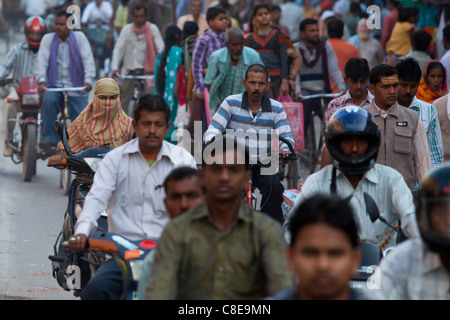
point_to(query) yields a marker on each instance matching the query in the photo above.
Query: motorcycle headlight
(93, 163)
(30, 99)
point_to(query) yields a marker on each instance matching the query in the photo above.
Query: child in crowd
(270, 42)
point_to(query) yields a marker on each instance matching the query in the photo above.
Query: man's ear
(244, 83)
(372, 88)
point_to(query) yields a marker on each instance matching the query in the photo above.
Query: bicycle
(310, 157)
(65, 178)
(136, 93)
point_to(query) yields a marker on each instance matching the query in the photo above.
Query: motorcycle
(25, 142)
(63, 259)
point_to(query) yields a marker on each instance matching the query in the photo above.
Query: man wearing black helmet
(353, 139)
(419, 269)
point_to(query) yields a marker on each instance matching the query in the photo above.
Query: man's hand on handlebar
(41, 88)
(77, 242)
(88, 86)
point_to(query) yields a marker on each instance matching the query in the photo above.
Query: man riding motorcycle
(352, 140)
(20, 60)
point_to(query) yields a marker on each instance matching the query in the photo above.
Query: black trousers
(107, 283)
(271, 191)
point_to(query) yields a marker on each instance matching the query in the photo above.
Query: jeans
(106, 284)
(51, 106)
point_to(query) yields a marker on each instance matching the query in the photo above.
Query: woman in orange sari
(434, 82)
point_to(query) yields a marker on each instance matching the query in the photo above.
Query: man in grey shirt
(64, 59)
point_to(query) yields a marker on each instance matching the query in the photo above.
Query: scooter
(63, 259)
(25, 142)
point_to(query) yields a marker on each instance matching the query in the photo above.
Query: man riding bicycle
(254, 114)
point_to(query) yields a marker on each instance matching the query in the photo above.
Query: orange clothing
(344, 51)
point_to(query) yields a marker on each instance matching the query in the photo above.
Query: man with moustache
(409, 75)
(254, 115)
(404, 144)
(129, 184)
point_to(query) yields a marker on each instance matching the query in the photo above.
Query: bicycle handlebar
(71, 89)
(134, 76)
(321, 95)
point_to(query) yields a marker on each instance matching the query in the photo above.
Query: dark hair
(213, 12)
(172, 37)
(189, 28)
(395, 3)
(409, 70)
(333, 211)
(63, 13)
(139, 7)
(258, 68)
(151, 103)
(306, 22)
(381, 70)
(180, 173)
(223, 142)
(357, 68)
(261, 6)
(446, 32)
(355, 7)
(421, 40)
(275, 7)
(404, 13)
(335, 28)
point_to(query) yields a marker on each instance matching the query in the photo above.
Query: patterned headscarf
(103, 123)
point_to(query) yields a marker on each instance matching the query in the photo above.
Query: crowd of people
(220, 69)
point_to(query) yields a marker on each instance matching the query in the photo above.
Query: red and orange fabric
(103, 123)
(425, 93)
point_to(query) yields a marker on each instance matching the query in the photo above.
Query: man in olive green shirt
(222, 249)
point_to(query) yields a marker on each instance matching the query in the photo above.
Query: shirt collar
(215, 35)
(265, 107)
(376, 111)
(370, 175)
(133, 147)
(348, 97)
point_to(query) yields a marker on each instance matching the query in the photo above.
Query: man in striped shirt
(254, 115)
(409, 79)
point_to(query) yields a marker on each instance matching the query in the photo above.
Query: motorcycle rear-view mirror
(371, 207)
(63, 136)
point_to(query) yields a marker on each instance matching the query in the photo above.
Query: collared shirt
(132, 191)
(203, 47)
(412, 272)
(63, 78)
(20, 60)
(385, 185)
(130, 48)
(345, 100)
(234, 113)
(196, 260)
(429, 116)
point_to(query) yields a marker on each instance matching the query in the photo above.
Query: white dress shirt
(412, 272)
(93, 13)
(131, 47)
(132, 191)
(387, 188)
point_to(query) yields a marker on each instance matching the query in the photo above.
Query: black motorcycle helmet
(433, 209)
(352, 121)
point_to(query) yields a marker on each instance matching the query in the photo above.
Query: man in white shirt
(353, 140)
(129, 184)
(419, 269)
(136, 47)
(291, 16)
(195, 14)
(97, 10)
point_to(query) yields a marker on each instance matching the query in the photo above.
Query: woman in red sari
(434, 82)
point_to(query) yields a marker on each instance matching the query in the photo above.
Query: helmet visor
(35, 36)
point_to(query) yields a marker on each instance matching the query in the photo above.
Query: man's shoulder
(386, 172)
(178, 155)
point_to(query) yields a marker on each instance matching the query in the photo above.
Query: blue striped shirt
(234, 114)
(20, 61)
(429, 117)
